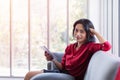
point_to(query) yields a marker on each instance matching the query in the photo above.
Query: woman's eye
(81, 31)
(76, 30)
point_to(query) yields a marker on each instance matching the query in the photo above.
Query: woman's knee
(31, 74)
(28, 76)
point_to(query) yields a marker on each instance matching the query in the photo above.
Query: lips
(78, 37)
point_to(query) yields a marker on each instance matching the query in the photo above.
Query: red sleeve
(63, 62)
(106, 46)
(98, 46)
(67, 50)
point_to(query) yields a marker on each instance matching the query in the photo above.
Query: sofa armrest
(102, 66)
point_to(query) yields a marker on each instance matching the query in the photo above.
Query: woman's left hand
(92, 31)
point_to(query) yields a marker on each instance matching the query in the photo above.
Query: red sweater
(76, 61)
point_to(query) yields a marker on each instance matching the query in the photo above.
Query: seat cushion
(52, 76)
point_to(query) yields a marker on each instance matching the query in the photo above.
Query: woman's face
(80, 34)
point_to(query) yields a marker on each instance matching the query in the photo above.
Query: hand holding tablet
(48, 51)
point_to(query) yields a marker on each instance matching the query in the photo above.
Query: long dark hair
(86, 24)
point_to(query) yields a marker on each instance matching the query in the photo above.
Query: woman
(77, 55)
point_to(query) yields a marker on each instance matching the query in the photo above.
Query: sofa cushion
(52, 76)
(102, 66)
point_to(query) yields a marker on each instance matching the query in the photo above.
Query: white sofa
(102, 66)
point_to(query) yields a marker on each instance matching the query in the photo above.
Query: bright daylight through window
(25, 25)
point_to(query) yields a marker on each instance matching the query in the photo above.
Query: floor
(11, 79)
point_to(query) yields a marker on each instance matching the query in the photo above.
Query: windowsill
(11, 78)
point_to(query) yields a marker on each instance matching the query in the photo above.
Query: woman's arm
(50, 58)
(105, 44)
(58, 64)
(99, 37)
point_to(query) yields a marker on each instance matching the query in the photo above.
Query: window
(28, 24)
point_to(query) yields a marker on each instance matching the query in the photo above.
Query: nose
(78, 33)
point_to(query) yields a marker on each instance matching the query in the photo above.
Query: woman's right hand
(48, 56)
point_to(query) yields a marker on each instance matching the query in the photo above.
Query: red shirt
(76, 61)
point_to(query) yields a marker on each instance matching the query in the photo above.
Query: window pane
(58, 26)
(77, 10)
(45, 24)
(38, 33)
(4, 38)
(19, 37)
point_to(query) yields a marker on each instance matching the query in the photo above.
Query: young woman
(77, 55)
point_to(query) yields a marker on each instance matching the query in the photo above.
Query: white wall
(94, 12)
(105, 17)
